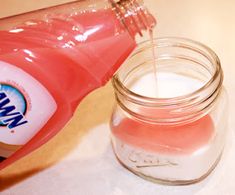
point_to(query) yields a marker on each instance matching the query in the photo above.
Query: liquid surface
(169, 85)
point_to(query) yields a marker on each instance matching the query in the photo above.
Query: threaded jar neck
(181, 56)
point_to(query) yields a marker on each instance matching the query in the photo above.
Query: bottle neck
(134, 16)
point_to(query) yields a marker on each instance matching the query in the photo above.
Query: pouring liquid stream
(154, 56)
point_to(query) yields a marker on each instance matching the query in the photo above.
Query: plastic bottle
(50, 59)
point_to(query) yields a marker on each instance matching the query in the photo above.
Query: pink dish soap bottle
(50, 59)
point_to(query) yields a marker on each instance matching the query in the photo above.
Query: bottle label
(25, 105)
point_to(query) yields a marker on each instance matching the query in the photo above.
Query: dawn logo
(13, 107)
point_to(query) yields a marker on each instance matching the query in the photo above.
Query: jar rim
(117, 83)
(180, 109)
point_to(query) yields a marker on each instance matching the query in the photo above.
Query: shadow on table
(12, 179)
(95, 109)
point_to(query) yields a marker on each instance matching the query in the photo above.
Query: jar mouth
(213, 57)
(194, 103)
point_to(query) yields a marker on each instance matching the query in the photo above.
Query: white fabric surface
(92, 169)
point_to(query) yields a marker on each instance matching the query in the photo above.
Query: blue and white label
(25, 105)
(13, 107)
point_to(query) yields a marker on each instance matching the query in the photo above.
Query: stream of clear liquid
(154, 56)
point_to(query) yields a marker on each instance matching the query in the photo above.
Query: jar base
(171, 182)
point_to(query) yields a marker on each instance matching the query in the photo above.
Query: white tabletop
(80, 161)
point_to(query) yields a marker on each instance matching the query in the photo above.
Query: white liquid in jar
(169, 85)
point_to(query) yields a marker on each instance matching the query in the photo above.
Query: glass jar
(169, 123)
